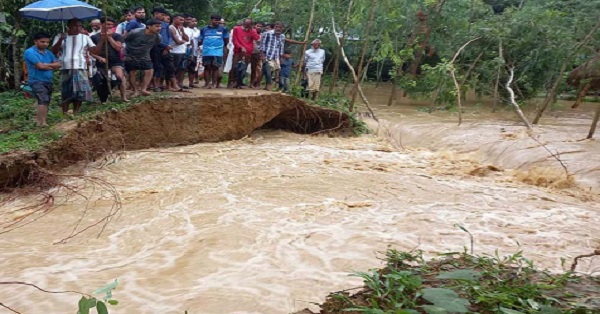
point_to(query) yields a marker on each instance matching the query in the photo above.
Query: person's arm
(295, 42)
(38, 64)
(58, 44)
(93, 48)
(117, 44)
(201, 38)
(173, 31)
(184, 35)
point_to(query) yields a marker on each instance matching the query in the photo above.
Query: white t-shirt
(74, 51)
(314, 60)
(178, 49)
(193, 35)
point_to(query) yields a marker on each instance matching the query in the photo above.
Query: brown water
(273, 222)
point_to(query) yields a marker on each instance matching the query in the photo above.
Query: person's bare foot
(145, 93)
(135, 94)
(124, 100)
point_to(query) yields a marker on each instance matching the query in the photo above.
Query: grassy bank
(465, 283)
(18, 130)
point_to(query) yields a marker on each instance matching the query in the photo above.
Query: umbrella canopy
(60, 10)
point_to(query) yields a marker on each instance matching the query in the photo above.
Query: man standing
(271, 48)
(137, 54)
(193, 33)
(179, 40)
(139, 14)
(161, 58)
(313, 59)
(115, 64)
(256, 60)
(214, 39)
(73, 46)
(243, 44)
(40, 63)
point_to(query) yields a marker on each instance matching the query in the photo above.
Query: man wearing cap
(313, 60)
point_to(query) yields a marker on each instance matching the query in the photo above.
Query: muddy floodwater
(273, 222)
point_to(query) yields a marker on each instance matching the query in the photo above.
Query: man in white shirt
(313, 62)
(192, 32)
(72, 48)
(123, 25)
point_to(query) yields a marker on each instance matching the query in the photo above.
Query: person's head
(95, 25)
(41, 40)
(287, 54)
(159, 13)
(259, 26)
(139, 13)
(187, 18)
(316, 44)
(127, 15)
(215, 20)
(193, 22)
(223, 23)
(167, 19)
(74, 26)
(178, 19)
(107, 23)
(247, 23)
(153, 26)
(268, 26)
(278, 27)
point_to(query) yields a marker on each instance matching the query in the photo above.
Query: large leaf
(446, 299)
(460, 274)
(83, 306)
(101, 308)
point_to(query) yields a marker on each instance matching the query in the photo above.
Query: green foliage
(480, 284)
(86, 304)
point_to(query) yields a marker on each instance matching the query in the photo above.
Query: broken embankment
(170, 122)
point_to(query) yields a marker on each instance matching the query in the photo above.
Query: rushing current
(274, 222)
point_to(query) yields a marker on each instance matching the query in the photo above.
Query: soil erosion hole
(170, 122)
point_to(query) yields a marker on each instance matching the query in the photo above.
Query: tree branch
(453, 74)
(352, 71)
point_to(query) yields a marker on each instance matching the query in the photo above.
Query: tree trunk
(336, 69)
(362, 56)
(306, 37)
(594, 122)
(353, 72)
(511, 70)
(582, 91)
(14, 42)
(453, 75)
(500, 53)
(393, 93)
(552, 93)
(379, 71)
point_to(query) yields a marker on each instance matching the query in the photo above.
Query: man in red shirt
(243, 44)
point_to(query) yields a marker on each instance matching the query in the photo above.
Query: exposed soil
(169, 122)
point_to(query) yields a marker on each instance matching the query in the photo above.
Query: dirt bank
(168, 122)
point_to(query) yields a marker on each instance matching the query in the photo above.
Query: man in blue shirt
(40, 64)
(161, 58)
(213, 38)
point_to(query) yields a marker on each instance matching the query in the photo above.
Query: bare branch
(574, 265)
(511, 76)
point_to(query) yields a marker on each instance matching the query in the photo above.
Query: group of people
(144, 55)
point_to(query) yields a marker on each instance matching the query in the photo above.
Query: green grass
(465, 283)
(18, 130)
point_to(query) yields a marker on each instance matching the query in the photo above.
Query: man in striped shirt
(271, 47)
